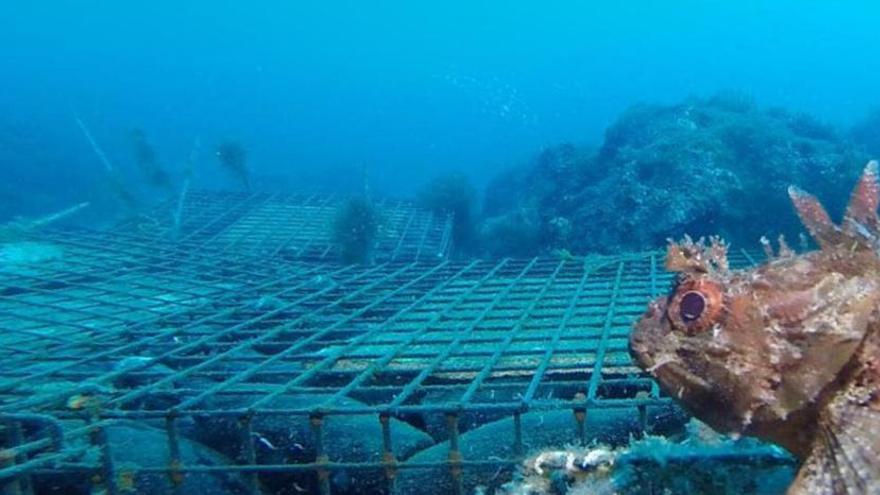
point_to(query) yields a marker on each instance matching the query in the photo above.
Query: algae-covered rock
(435, 421)
(355, 228)
(866, 133)
(454, 195)
(289, 439)
(704, 166)
(494, 440)
(697, 463)
(134, 446)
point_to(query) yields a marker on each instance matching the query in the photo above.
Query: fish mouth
(671, 372)
(645, 337)
(638, 351)
(661, 363)
(649, 353)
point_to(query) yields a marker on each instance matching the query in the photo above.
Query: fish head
(746, 351)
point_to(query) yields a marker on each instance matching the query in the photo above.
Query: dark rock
(289, 439)
(435, 422)
(135, 446)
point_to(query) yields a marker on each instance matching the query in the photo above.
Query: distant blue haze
(318, 90)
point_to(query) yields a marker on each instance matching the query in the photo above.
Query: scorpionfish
(788, 351)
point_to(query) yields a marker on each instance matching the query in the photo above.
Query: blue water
(319, 90)
(534, 107)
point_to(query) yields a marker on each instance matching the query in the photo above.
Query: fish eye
(696, 305)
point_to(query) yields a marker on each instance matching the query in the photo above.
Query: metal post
(580, 416)
(7, 459)
(250, 453)
(643, 420)
(321, 458)
(388, 458)
(455, 458)
(107, 478)
(175, 476)
(517, 435)
(16, 436)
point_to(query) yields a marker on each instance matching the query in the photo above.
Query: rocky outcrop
(706, 166)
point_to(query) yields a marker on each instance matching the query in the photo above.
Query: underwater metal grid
(205, 336)
(289, 226)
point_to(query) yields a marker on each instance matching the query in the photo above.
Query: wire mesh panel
(290, 227)
(288, 378)
(85, 285)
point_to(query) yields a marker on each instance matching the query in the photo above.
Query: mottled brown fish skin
(789, 351)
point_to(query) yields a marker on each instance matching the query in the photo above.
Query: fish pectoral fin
(860, 220)
(861, 225)
(844, 459)
(815, 218)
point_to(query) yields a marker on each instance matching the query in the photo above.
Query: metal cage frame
(292, 227)
(546, 334)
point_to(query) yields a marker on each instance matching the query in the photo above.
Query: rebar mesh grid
(92, 284)
(112, 329)
(290, 227)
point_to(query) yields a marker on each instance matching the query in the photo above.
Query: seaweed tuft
(232, 156)
(146, 160)
(454, 195)
(355, 229)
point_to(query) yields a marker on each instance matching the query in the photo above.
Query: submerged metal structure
(242, 323)
(293, 227)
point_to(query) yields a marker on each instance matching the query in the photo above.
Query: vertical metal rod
(108, 468)
(517, 435)
(580, 417)
(643, 420)
(10, 486)
(21, 483)
(250, 453)
(317, 422)
(13, 485)
(388, 458)
(175, 476)
(16, 436)
(455, 457)
(421, 246)
(446, 246)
